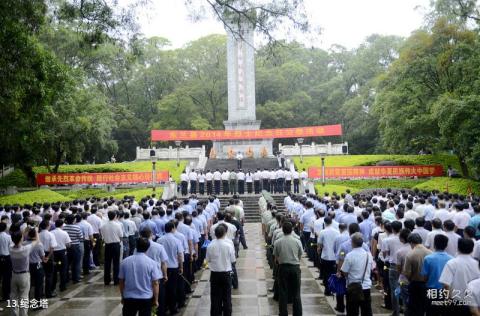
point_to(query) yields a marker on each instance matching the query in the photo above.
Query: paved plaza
(91, 297)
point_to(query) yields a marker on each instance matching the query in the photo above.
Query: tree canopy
(79, 83)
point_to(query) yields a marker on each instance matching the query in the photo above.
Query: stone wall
(313, 149)
(170, 153)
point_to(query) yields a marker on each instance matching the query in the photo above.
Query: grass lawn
(17, 177)
(42, 195)
(460, 186)
(46, 195)
(370, 160)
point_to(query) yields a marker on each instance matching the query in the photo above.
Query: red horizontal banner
(307, 131)
(376, 172)
(92, 178)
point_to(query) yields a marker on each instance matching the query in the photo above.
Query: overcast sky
(344, 22)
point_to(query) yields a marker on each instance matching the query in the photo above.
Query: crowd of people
(421, 250)
(241, 181)
(150, 248)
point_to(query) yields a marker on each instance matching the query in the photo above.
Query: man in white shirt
(184, 183)
(231, 229)
(239, 160)
(5, 263)
(473, 288)
(95, 220)
(280, 174)
(112, 233)
(209, 181)
(201, 182)
(88, 240)
(192, 177)
(410, 213)
(273, 181)
(265, 180)
(257, 177)
(241, 181)
(460, 218)
(217, 180)
(49, 243)
(442, 213)
(452, 247)
(220, 257)
(303, 177)
(436, 229)
(326, 245)
(225, 178)
(60, 256)
(356, 267)
(288, 180)
(296, 182)
(249, 181)
(390, 247)
(458, 272)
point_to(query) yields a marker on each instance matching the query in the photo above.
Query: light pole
(323, 170)
(178, 143)
(153, 159)
(300, 142)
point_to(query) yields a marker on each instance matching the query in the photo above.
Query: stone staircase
(250, 205)
(247, 164)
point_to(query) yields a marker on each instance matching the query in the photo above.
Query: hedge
(43, 195)
(17, 177)
(460, 186)
(370, 160)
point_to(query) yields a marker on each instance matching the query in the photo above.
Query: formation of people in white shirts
(425, 247)
(48, 247)
(279, 180)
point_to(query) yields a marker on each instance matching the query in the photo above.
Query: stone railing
(313, 149)
(170, 153)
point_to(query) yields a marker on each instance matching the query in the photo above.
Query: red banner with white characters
(307, 131)
(376, 172)
(107, 177)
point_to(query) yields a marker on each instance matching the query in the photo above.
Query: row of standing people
(240, 181)
(72, 237)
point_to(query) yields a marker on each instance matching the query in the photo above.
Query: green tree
(436, 70)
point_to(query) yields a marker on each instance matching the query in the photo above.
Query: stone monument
(241, 92)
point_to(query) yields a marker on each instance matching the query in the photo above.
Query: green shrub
(370, 160)
(139, 193)
(380, 183)
(453, 185)
(330, 188)
(16, 178)
(43, 195)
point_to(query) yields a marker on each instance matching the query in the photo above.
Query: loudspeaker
(344, 149)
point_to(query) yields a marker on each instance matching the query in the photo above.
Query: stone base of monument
(259, 147)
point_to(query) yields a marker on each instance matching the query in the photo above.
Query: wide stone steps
(250, 205)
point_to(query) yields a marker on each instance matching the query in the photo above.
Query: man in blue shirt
(157, 253)
(475, 221)
(432, 268)
(147, 222)
(139, 276)
(305, 220)
(174, 249)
